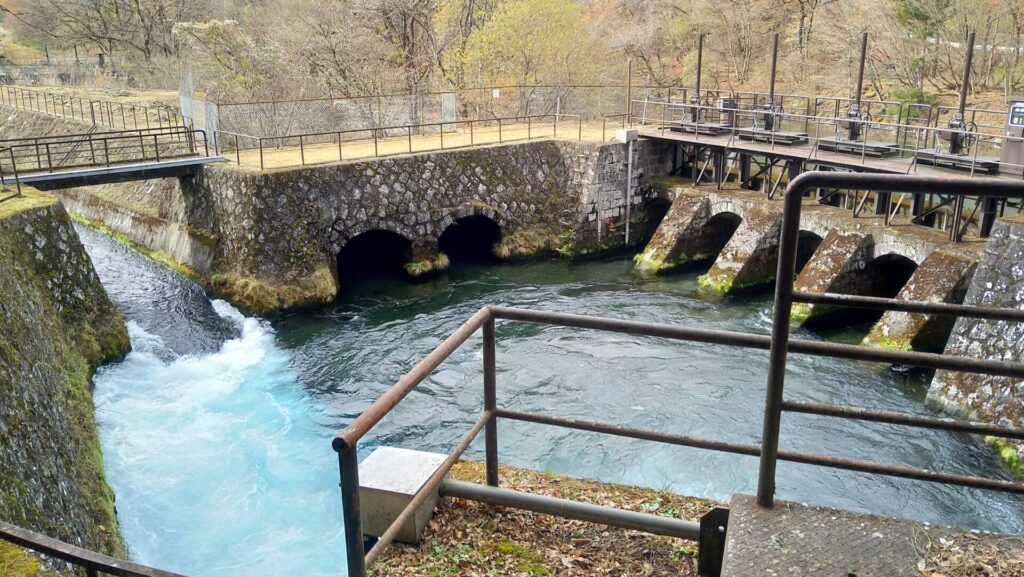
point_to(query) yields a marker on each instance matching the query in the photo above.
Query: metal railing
(908, 145)
(778, 344)
(95, 564)
(92, 111)
(409, 134)
(99, 149)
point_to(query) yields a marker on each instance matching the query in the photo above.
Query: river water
(216, 429)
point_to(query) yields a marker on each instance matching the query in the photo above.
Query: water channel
(216, 429)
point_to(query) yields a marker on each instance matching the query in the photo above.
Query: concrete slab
(795, 540)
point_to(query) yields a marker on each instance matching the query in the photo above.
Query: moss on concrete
(1009, 454)
(58, 326)
(17, 562)
(530, 242)
(259, 297)
(428, 266)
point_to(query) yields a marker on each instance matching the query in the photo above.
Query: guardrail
(53, 153)
(103, 112)
(778, 344)
(94, 563)
(535, 127)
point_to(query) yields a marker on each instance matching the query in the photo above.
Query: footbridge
(763, 151)
(101, 157)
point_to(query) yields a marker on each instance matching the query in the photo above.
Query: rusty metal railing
(95, 564)
(536, 126)
(778, 344)
(93, 111)
(99, 149)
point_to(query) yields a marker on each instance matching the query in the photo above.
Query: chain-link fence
(329, 116)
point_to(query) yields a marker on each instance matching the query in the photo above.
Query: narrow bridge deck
(117, 173)
(808, 153)
(794, 540)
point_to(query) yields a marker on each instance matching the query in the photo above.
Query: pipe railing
(92, 111)
(536, 126)
(778, 344)
(905, 142)
(95, 564)
(58, 153)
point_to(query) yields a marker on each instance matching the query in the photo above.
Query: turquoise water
(216, 430)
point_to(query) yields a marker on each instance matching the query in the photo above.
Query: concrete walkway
(794, 540)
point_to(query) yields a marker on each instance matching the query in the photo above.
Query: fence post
(302, 150)
(786, 272)
(339, 146)
(499, 131)
(409, 129)
(261, 154)
(238, 153)
(348, 465)
(490, 404)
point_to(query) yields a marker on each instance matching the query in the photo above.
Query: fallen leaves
(973, 555)
(470, 539)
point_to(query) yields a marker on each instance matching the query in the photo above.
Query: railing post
(490, 404)
(499, 130)
(471, 139)
(348, 464)
(14, 169)
(779, 347)
(529, 131)
(238, 154)
(409, 131)
(302, 149)
(261, 154)
(156, 147)
(339, 146)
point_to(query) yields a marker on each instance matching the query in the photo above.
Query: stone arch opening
(715, 233)
(470, 238)
(374, 253)
(884, 276)
(807, 243)
(654, 211)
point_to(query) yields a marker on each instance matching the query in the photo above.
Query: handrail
(778, 344)
(94, 563)
(94, 111)
(104, 149)
(239, 139)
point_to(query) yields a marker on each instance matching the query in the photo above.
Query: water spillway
(216, 430)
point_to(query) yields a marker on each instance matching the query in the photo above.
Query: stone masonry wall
(56, 325)
(998, 282)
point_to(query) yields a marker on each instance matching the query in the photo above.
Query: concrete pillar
(834, 267)
(998, 282)
(679, 238)
(941, 277)
(749, 258)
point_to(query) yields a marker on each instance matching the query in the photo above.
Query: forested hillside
(280, 49)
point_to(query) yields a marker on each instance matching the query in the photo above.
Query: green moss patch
(17, 562)
(429, 266)
(529, 243)
(259, 297)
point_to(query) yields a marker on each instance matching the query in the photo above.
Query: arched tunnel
(374, 253)
(470, 238)
(884, 276)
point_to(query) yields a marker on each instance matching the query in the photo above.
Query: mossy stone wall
(56, 325)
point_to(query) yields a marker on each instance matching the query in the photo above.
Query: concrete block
(388, 480)
(625, 134)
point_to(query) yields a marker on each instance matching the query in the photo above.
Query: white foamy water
(217, 463)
